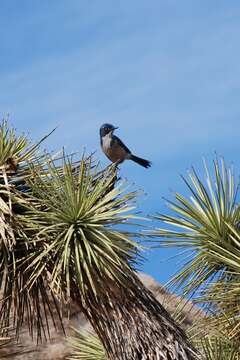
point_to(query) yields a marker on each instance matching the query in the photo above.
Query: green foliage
(202, 226)
(72, 217)
(17, 156)
(86, 346)
(206, 227)
(218, 347)
(57, 234)
(14, 148)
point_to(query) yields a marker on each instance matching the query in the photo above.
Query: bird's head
(106, 129)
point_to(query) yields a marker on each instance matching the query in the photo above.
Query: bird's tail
(140, 161)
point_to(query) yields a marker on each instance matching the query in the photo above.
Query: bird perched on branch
(115, 149)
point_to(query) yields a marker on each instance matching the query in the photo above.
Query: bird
(115, 149)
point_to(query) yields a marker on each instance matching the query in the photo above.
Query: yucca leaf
(86, 346)
(207, 225)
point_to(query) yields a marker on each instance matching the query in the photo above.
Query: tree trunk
(133, 325)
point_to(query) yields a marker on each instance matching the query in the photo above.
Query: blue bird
(115, 149)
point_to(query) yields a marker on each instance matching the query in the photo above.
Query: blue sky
(166, 72)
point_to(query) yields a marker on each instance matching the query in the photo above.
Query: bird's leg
(117, 163)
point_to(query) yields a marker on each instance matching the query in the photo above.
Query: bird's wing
(115, 138)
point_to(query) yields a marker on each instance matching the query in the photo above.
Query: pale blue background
(166, 72)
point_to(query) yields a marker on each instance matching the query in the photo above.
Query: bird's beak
(115, 128)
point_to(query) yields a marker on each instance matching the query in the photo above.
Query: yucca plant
(206, 227)
(213, 342)
(62, 239)
(16, 155)
(85, 346)
(218, 347)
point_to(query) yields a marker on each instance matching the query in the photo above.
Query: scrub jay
(115, 149)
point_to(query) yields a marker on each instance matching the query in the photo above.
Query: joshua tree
(206, 227)
(62, 239)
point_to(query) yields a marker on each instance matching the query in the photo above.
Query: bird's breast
(106, 143)
(113, 150)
